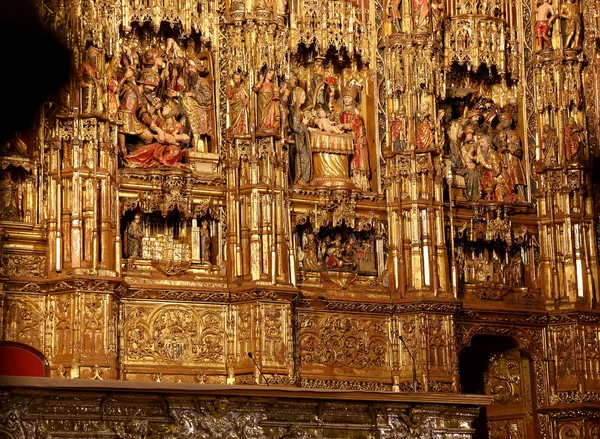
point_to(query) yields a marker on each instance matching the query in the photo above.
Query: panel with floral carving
(25, 319)
(174, 337)
(345, 346)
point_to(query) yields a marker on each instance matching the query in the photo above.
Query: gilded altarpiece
(331, 195)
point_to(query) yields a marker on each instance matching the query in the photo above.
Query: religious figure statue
(113, 85)
(332, 96)
(544, 18)
(91, 83)
(10, 198)
(360, 169)
(490, 162)
(238, 99)
(516, 268)
(570, 12)
(205, 242)
(421, 13)
(424, 128)
(151, 75)
(508, 143)
(132, 105)
(438, 16)
(165, 151)
(333, 251)
(470, 170)
(324, 123)
(393, 12)
(399, 130)
(134, 235)
(267, 108)
(309, 249)
(198, 106)
(573, 139)
(549, 146)
(285, 96)
(300, 156)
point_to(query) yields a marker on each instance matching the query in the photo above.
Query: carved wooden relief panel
(508, 381)
(175, 339)
(25, 319)
(347, 347)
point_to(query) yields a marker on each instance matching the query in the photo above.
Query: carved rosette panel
(181, 337)
(593, 430)
(570, 430)
(345, 346)
(26, 319)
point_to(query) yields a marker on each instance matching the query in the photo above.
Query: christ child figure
(323, 122)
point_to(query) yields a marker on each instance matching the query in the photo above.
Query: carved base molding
(87, 411)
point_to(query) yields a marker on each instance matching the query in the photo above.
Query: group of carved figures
(161, 99)
(425, 133)
(285, 109)
(570, 12)
(334, 252)
(486, 153)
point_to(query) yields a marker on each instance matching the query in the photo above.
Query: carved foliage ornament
(169, 334)
(342, 341)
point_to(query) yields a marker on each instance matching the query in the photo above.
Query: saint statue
(90, 82)
(438, 15)
(425, 128)
(301, 157)
(360, 169)
(131, 106)
(549, 146)
(544, 19)
(10, 198)
(421, 13)
(490, 162)
(309, 249)
(470, 170)
(198, 106)
(399, 130)
(508, 143)
(573, 140)
(205, 243)
(570, 12)
(393, 11)
(238, 99)
(516, 268)
(267, 108)
(134, 235)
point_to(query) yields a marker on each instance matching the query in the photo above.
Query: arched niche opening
(496, 366)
